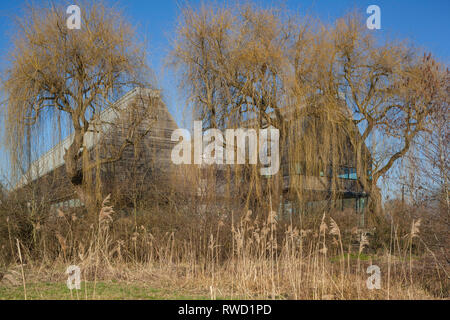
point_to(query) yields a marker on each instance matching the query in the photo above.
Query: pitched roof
(54, 158)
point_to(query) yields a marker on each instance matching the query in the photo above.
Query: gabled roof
(54, 158)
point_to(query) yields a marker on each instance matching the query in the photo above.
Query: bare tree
(232, 61)
(392, 90)
(56, 73)
(243, 62)
(426, 167)
(435, 150)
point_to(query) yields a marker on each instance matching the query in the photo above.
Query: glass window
(352, 174)
(299, 168)
(343, 173)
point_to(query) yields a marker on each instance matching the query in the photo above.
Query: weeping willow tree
(338, 97)
(63, 78)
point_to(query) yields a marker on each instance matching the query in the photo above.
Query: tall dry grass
(241, 255)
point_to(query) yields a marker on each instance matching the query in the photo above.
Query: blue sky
(425, 23)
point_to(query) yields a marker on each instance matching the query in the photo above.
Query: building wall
(149, 160)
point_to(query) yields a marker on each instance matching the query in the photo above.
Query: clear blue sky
(425, 23)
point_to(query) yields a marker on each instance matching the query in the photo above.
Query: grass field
(110, 290)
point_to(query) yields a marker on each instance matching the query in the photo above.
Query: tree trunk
(76, 175)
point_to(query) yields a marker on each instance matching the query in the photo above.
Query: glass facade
(347, 173)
